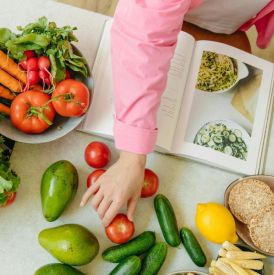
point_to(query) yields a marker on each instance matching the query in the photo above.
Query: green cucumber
(136, 246)
(129, 266)
(192, 247)
(154, 259)
(167, 220)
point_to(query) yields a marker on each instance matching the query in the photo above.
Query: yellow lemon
(215, 223)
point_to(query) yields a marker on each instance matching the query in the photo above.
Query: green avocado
(57, 269)
(58, 188)
(71, 244)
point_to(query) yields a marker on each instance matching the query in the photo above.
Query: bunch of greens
(9, 181)
(45, 38)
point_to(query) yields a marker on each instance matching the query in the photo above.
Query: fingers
(132, 207)
(111, 213)
(103, 207)
(91, 191)
(97, 199)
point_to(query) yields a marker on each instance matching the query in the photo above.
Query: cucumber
(167, 220)
(154, 259)
(129, 266)
(192, 247)
(136, 246)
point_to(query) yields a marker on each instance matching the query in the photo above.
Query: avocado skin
(57, 269)
(71, 244)
(58, 188)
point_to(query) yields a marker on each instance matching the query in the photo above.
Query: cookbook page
(224, 112)
(99, 119)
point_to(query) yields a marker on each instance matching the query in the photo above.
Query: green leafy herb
(45, 38)
(9, 181)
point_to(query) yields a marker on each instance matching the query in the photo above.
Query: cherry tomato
(72, 98)
(11, 198)
(31, 113)
(151, 184)
(97, 154)
(92, 177)
(120, 230)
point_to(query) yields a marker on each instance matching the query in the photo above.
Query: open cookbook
(216, 107)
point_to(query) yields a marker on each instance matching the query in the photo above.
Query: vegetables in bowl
(224, 138)
(217, 72)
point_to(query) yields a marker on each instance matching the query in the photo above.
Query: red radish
(43, 63)
(29, 54)
(43, 75)
(32, 64)
(67, 74)
(48, 81)
(23, 64)
(33, 77)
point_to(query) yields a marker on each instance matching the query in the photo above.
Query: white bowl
(230, 125)
(184, 272)
(242, 73)
(60, 127)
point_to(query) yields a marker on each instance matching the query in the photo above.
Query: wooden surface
(238, 39)
(108, 7)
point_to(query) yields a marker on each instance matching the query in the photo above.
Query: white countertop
(184, 182)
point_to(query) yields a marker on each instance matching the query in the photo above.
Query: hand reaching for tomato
(120, 185)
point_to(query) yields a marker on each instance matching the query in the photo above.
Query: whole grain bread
(250, 198)
(261, 231)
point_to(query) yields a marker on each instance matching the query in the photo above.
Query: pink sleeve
(264, 23)
(143, 38)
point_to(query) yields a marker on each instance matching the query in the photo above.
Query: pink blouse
(143, 38)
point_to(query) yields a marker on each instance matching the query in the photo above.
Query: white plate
(242, 73)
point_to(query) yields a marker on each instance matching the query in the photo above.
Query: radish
(23, 64)
(32, 64)
(45, 76)
(43, 63)
(29, 54)
(32, 77)
(67, 74)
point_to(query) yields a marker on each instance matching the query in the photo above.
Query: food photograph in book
(224, 105)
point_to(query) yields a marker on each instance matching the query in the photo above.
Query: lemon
(215, 223)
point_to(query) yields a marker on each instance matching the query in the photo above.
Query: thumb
(132, 206)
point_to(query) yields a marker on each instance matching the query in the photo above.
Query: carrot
(7, 64)
(4, 109)
(10, 82)
(5, 93)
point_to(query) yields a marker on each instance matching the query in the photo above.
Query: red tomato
(97, 154)
(120, 230)
(31, 113)
(151, 184)
(94, 176)
(72, 98)
(11, 198)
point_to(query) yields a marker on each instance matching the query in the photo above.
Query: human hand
(120, 184)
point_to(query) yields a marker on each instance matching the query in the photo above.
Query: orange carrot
(5, 93)
(4, 109)
(10, 82)
(7, 64)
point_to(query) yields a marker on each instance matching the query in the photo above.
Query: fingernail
(82, 204)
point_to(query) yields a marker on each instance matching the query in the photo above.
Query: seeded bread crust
(261, 231)
(249, 199)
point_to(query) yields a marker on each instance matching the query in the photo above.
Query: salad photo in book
(226, 95)
(216, 107)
